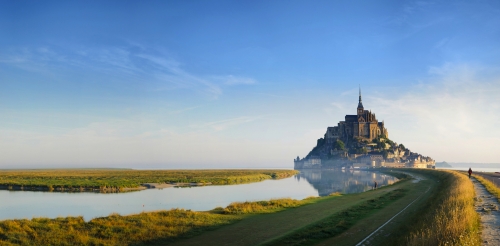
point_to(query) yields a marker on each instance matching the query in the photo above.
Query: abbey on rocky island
(360, 141)
(362, 125)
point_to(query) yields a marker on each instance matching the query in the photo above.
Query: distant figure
(375, 185)
(470, 172)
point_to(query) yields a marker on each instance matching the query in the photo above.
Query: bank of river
(28, 204)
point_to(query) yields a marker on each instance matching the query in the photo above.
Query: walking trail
(487, 206)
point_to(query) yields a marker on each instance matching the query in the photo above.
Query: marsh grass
(144, 228)
(261, 206)
(450, 217)
(111, 230)
(119, 179)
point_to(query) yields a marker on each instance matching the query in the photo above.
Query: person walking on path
(470, 172)
(375, 185)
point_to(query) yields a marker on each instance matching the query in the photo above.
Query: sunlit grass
(111, 230)
(119, 179)
(261, 206)
(143, 228)
(451, 218)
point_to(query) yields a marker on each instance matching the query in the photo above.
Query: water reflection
(343, 181)
(29, 204)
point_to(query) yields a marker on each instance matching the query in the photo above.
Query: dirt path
(487, 206)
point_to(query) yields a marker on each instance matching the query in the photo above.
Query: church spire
(360, 94)
(360, 104)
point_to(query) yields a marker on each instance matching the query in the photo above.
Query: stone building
(363, 125)
(354, 143)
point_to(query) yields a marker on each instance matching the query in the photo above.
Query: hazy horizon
(223, 84)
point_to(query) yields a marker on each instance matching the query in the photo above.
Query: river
(29, 204)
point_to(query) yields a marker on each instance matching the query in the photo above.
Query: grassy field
(140, 229)
(443, 214)
(83, 179)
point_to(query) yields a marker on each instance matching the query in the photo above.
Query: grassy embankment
(338, 223)
(143, 228)
(449, 217)
(446, 216)
(121, 179)
(490, 186)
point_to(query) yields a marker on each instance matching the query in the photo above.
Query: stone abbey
(362, 125)
(360, 141)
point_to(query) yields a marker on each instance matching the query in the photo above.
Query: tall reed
(160, 227)
(261, 206)
(451, 218)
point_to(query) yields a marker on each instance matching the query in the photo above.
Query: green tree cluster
(339, 145)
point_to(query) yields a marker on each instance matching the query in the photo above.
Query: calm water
(29, 204)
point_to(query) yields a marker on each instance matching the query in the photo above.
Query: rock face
(360, 141)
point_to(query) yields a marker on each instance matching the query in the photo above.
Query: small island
(361, 141)
(443, 164)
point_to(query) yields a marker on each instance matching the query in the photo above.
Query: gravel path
(487, 206)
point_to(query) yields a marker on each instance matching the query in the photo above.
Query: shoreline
(113, 181)
(101, 189)
(399, 177)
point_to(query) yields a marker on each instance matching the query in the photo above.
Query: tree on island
(402, 147)
(359, 150)
(339, 145)
(385, 154)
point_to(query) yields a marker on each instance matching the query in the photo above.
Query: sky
(242, 84)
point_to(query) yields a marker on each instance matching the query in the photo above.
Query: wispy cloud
(182, 110)
(441, 43)
(224, 124)
(274, 95)
(234, 80)
(350, 92)
(169, 71)
(163, 72)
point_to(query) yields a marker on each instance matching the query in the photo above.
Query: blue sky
(193, 84)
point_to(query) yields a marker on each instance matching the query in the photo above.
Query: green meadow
(119, 179)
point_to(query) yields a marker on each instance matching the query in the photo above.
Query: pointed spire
(360, 104)
(359, 93)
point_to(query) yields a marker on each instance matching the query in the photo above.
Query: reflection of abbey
(360, 141)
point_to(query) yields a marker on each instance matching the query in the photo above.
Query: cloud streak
(159, 71)
(227, 123)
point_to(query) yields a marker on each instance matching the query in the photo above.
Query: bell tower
(360, 104)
